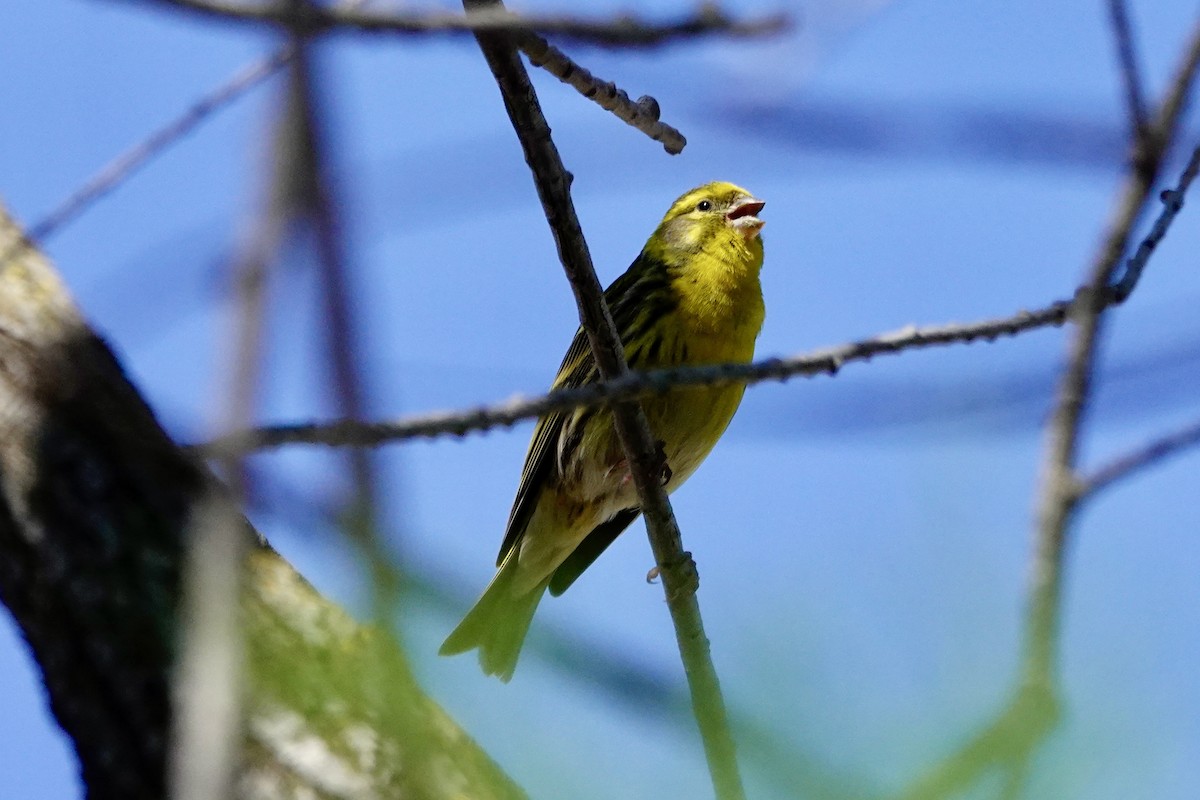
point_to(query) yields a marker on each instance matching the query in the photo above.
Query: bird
(691, 297)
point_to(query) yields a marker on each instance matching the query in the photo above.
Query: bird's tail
(497, 623)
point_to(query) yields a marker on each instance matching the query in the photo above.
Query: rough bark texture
(95, 503)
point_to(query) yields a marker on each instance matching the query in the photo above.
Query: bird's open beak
(743, 217)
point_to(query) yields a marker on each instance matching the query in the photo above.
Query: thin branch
(641, 114)
(125, 165)
(641, 452)
(1008, 742)
(1008, 739)
(1148, 455)
(592, 665)
(634, 385)
(97, 507)
(209, 686)
(320, 206)
(1059, 488)
(1131, 79)
(1172, 200)
(637, 385)
(623, 31)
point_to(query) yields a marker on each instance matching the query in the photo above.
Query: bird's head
(714, 217)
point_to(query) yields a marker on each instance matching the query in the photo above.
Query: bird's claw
(689, 577)
(664, 474)
(685, 570)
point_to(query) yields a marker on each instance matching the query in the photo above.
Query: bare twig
(677, 568)
(1172, 204)
(1131, 79)
(1009, 738)
(1009, 741)
(208, 686)
(624, 31)
(633, 385)
(209, 689)
(1149, 454)
(1059, 488)
(642, 114)
(320, 208)
(123, 166)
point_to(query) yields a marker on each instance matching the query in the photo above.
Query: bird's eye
(704, 205)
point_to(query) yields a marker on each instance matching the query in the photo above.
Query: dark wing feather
(577, 368)
(590, 549)
(637, 300)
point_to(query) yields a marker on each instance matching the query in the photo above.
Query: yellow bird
(691, 297)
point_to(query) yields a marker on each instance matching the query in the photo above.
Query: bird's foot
(684, 570)
(664, 469)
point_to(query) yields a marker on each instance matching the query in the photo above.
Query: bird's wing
(637, 300)
(590, 549)
(577, 369)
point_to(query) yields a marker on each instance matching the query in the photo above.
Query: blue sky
(862, 540)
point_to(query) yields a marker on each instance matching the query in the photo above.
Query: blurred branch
(642, 114)
(125, 165)
(93, 513)
(320, 212)
(1136, 460)
(1131, 79)
(336, 710)
(121, 168)
(642, 454)
(593, 665)
(1059, 487)
(96, 504)
(210, 683)
(623, 31)
(1010, 740)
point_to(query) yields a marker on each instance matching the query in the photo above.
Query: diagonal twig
(1147, 455)
(645, 464)
(1010, 740)
(126, 164)
(209, 681)
(1172, 200)
(1131, 79)
(320, 212)
(1059, 492)
(641, 114)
